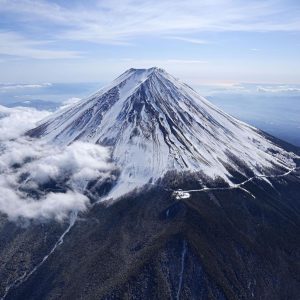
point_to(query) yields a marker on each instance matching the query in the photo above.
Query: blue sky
(202, 42)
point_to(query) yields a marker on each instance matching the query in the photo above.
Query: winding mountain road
(182, 194)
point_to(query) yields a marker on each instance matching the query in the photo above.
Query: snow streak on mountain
(155, 123)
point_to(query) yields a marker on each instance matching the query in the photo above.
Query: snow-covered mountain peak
(155, 123)
(146, 70)
(130, 80)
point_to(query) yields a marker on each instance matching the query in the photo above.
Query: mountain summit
(154, 123)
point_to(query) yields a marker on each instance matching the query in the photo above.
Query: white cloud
(278, 89)
(14, 122)
(226, 88)
(13, 86)
(53, 206)
(26, 165)
(13, 44)
(189, 40)
(118, 22)
(69, 102)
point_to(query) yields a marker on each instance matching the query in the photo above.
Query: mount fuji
(154, 123)
(201, 205)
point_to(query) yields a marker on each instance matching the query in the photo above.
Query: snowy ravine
(154, 123)
(26, 275)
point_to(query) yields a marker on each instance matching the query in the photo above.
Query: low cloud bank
(70, 102)
(15, 121)
(43, 181)
(278, 89)
(13, 86)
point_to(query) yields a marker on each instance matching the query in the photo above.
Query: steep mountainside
(219, 244)
(155, 123)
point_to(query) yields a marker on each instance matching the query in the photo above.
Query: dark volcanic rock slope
(224, 244)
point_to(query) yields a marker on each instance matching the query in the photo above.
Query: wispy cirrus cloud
(189, 40)
(121, 21)
(102, 32)
(14, 44)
